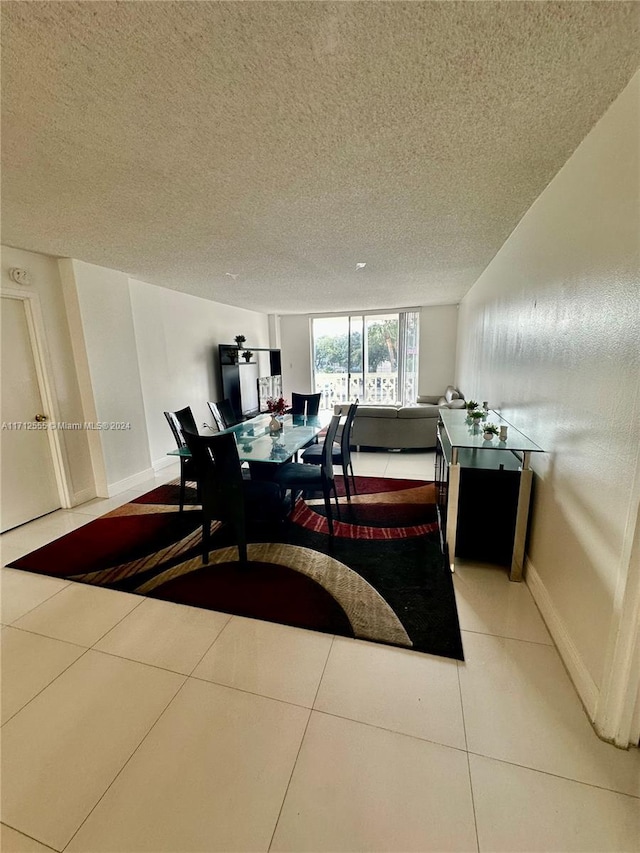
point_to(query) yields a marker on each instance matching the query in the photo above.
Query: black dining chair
(225, 495)
(223, 414)
(179, 421)
(305, 404)
(341, 452)
(296, 476)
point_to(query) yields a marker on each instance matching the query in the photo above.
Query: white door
(28, 482)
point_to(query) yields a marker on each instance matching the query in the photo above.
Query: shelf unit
(238, 377)
(483, 491)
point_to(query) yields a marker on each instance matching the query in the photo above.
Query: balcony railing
(370, 388)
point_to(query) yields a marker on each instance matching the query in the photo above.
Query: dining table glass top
(258, 443)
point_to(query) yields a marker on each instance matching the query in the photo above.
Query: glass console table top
(461, 432)
(256, 442)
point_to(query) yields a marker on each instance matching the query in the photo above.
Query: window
(371, 357)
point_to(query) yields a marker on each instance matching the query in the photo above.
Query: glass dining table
(263, 448)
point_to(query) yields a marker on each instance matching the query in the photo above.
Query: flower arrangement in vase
(277, 406)
(471, 405)
(240, 339)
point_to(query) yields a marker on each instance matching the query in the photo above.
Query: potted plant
(233, 355)
(247, 355)
(489, 431)
(471, 405)
(240, 339)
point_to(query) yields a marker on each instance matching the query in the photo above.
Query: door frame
(39, 350)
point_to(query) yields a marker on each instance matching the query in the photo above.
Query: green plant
(240, 339)
(247, 355)
(476, 415)
(471, 405)
(492, 428)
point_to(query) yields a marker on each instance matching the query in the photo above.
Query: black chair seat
(340, 453)
(313, 455)
(297, 476)
(226, 496)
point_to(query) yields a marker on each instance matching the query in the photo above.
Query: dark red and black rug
(382, 576)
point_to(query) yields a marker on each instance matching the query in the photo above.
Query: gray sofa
(400, 427)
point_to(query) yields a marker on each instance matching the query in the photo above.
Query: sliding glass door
(368, 357)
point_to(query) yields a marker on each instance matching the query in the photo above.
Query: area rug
(381, 578)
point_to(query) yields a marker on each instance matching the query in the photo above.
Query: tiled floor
(138, 725)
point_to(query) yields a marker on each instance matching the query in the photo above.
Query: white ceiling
(284, 142)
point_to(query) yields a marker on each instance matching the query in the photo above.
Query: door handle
(40, 418)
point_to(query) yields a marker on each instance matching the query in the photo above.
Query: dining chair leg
(335, 495)
(206, 536)
(353, 479)
(327, 507)
(183, 485)
(345, 477)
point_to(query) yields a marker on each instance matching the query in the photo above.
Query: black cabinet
(246, 384)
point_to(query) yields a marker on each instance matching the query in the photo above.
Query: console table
(483, 490)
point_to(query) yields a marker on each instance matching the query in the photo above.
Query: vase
(488, 436)
(274, 424)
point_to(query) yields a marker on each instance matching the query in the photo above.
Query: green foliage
(492, 428)
(332, 351)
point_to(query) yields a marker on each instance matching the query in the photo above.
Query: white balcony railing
(372, 388)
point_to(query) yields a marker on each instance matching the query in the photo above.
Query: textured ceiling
(284, 142)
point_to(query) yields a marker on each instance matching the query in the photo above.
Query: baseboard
(129, 482)
(583, 682)
(82, 496)
(165, 462)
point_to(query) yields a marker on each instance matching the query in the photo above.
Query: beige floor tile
(100, 506)
(369, 464)
(489, 603)
(272, 660)
(211, 776)
(80, 613)
(525, 810)
(60, 753)
(37, 533)
(163, 634)
(413, 466)
(396, 689)
(22, 591)
(520, 706)
(15, 842)
(29, 663)
(358, 788)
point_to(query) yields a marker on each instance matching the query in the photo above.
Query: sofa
(401, 427)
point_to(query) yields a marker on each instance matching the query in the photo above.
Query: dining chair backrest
(223, 414)
(326, 459)
(345, 438)
(179, 421)
(305, 404)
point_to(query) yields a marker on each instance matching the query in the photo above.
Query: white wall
(46, 283)
(549, 334)
(99, 310)
(295, 337)
(437, 349)
(177, 337)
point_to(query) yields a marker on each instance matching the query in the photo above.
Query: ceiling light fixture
(233, 275)
(360, 266)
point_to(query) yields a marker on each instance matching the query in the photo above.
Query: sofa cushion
(377, 412)
(423, 411)
(451, 394)
(457, 404)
